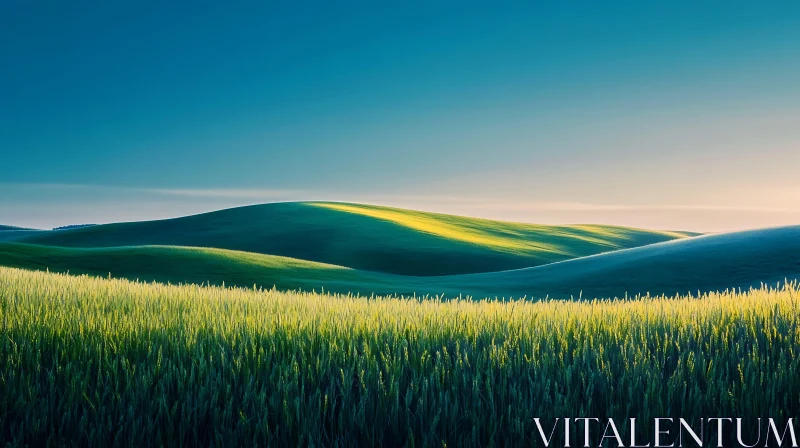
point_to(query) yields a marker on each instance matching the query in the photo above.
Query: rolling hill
(16, 234)
(2, 228)
(702, 264)
(195, 265)
(705, 263)
(373, 238)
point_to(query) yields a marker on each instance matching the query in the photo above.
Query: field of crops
(116, 363)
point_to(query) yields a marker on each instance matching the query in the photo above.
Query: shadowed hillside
(12, 234)
(373, 238)
(706, 263)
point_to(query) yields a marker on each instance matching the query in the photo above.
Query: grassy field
(702, 264)
(114, 363)
(372, 238)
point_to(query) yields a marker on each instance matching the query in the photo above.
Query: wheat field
(101, 362)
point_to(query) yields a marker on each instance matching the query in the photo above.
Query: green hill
(3, 228)
(708, 263)
(705, 263)
(195, 265)
(11, 234)
(373, 238)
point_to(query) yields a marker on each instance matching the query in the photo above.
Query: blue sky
(672, 115)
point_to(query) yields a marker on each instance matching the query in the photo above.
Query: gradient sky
(680, 115)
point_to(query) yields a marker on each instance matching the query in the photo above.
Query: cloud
(579, 206)
(49, 205)
(226, 192)
(485, 203)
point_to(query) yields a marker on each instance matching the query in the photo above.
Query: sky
(670, 115)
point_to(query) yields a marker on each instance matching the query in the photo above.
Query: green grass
(708, 263)
(87, 361)
(369, 238)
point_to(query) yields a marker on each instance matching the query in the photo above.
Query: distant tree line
(73, 226)
(13, 228)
